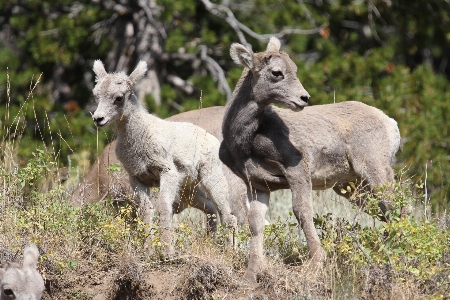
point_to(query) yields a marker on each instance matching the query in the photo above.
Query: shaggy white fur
(175, 156)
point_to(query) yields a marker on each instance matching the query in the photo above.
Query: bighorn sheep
(22, 282)
(324, 146)
(100, 183)
(176, 156)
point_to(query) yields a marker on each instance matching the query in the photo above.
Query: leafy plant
(415, 246)
(282, 239)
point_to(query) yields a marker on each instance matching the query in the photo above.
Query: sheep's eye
(277, 74)
(8, 292)
(119, 99)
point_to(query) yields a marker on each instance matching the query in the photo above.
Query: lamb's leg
(144, 197)
(204, 204)
(256, 219)
(217, 188)
(170, 185)
(301, 187)
(146, 207)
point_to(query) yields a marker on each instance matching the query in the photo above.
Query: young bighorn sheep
(100, 183)
(175, 156)
(324, 146)
(22, 282)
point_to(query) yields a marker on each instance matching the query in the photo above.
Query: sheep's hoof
(318, 258)
(249, 277)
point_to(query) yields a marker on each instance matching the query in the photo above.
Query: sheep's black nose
(98, 120)
(305, 98)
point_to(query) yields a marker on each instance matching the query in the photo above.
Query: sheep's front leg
(301, 187)
(170, 185)
(144, 197)
(256, 219)
(146, 207)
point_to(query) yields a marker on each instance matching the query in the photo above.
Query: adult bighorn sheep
(324, 146)
(22, 282)
(173, 155)
(100, 182)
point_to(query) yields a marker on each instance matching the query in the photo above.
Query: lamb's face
(22, 282)
(111, 93)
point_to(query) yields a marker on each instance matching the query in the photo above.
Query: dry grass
(98, 252)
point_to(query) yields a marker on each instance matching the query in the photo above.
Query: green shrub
(415, 245)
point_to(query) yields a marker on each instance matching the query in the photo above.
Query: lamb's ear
(30, 256)
(274, 45)
(99, 69)
(139, 72)
(243, 56)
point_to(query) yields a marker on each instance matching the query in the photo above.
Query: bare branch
(177, 56)
(308, 14)
(148, 12)
(371, 9)
(181, 84)
(282, 33)
(225, 12)
(216, 71)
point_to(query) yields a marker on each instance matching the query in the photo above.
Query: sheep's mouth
(101, 124)
(295, 106)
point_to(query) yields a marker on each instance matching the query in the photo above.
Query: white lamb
(178, 157)
(22, 282)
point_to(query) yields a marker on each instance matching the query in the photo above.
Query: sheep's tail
(395, 138)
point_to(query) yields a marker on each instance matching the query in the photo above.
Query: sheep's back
(347, 124)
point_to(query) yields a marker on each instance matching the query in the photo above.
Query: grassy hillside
(102, 250)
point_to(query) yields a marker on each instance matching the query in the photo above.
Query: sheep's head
(22, 282)
(113, 91)
(274, 75)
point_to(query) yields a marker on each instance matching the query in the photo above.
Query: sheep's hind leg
(204, 204)
(217, 189)
(377, 174)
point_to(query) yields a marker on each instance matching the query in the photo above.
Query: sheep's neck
(242, 118)
(130, 127)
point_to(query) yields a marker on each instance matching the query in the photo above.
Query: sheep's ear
(274, 45)
(7, 266)
(3, 268)
(139, 72)
(99, 69)
(30, 256)
(243, 56)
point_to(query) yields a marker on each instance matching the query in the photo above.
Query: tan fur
(303, 148)
(22, 282)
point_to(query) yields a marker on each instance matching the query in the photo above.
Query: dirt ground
(187, 278)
